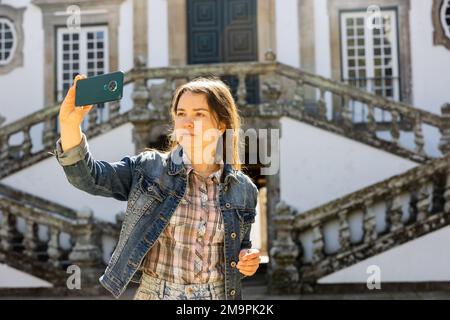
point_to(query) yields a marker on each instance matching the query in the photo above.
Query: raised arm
(82, 171)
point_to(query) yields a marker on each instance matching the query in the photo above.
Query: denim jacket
(153, 183)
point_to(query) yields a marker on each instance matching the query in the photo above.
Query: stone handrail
(274, 81)
(299, 263)
(352, 93)
(400, 113)
(284, 91)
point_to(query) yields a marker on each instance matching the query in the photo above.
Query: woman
(186, 231)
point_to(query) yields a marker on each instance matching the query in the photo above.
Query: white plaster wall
(322, 38)
(430, 63)
(318, 166)
(287, 32)
(125, 38)
(158, 34)
(46, 179)
(424, 259)
(13, 278)
(126, 50)
(22, 89)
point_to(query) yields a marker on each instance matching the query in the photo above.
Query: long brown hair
(223, 107)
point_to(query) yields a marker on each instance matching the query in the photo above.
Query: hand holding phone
(70, 118)
(69, 115)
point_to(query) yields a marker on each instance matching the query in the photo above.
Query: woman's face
(196, 127)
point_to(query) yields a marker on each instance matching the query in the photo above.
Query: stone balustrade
(44, 238)
(359, 225)
(283, 91)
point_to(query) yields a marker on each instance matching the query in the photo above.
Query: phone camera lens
(112, 86)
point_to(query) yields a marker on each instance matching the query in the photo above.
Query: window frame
(8, 22)
(369, 49)
(14, 17)
(83, 60)
(441, 37)
(446, 27)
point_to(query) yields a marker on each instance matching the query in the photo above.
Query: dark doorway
(224, 31)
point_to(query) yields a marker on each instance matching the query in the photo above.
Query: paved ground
(255, 289)
(258, 293)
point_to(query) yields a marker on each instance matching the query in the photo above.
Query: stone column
(307, 42)
(283, 274)
(307, 35)
(140, 29)
(86, 253)
(140, 115)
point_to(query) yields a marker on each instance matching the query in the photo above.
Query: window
(445, 17)
(84, 52)
(80, 52)
(370, 56)
(8, 41)
(11, 38)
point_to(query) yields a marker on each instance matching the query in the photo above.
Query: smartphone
(99, 89)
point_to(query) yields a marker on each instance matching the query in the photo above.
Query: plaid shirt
(191, 249)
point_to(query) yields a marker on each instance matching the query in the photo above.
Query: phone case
(99, 89)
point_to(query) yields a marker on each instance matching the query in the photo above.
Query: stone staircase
(298, 261)
(285, 92)
(31, 239)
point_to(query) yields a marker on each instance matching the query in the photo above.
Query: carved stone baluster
(283, 274)
(86, 253)
(423, 200)
(242, 90)
(31, 239)
(49, 133)
(395, 132)
(141, 94)
(447, 192)
(299, 94)
(371, 122)
(166, 98)
(418, 135)
(444, 143)
(114, 110)
(8, 231)
(322, 106)
(4, 151)
(26, 144)
(318, 243)
(346, 113)
(369, 224)
(92, 118)
(271, 87)
(344, 231)
(394, 212)
(54, 250)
